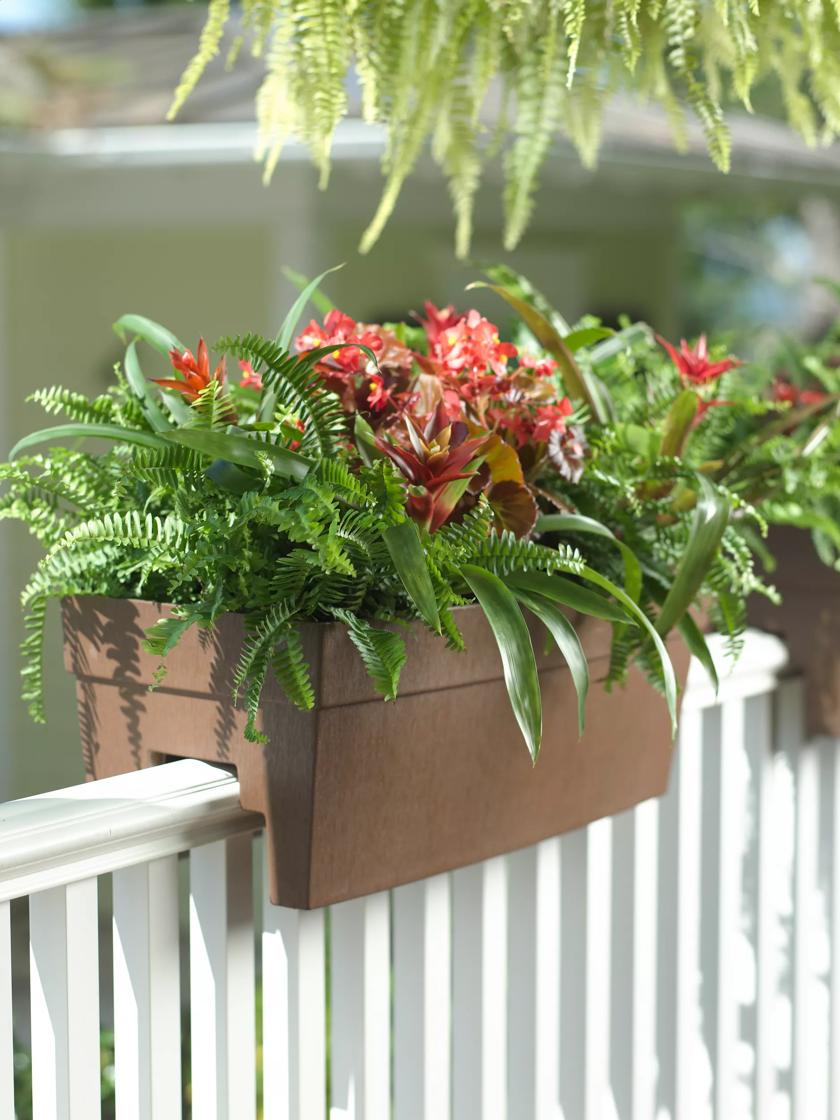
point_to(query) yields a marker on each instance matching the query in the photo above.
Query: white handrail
(89, 830)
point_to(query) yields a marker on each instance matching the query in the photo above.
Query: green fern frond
(209, 45)
(75, 405)
(292, 672)
(299, 391)
(382, 652)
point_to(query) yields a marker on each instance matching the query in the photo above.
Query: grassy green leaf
(89, 431)
(142, 389)
(698, 647)
(668, 676)
(586, 336)
(711, 515)
(321, 301)
(550, 339)
(514, 642)
(287, 330)
(242, 450)
(157, 336)
(570, 594)
(403, 544)
(678, 421)
(568, 643)
(577, 523)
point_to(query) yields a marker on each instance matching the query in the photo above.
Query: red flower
(438, 320)
(251, 379)
(339, 328)
(471, 347)
(551, 418)
(540, 367)
(195, 372)
(379, 396)
(693, 364)
(786, 393)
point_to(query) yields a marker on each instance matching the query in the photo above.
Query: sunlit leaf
(514, 642)
(568, 643)
(160, 338)
(711, 515)
(406, 551)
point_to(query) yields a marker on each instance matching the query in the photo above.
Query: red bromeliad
(786, 393)
(438, 463)
(195, 372)
(693, 362)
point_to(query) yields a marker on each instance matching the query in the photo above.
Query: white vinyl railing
(678, 962)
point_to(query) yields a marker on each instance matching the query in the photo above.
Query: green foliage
(222, 498)
(426, 71)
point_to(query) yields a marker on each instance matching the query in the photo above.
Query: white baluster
(360, 1055)
(294, 1013)
(64, 979)
(633, 1063)
(222, 981)
(479, 991)
(766, 868)
(805, 766)
(7, 1071)
(832, 749)
(585, 972)
(534, 981)
(422, 969)
(724, 845)
(147, 993)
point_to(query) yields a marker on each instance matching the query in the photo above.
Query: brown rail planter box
(808, 621)
(359, 795)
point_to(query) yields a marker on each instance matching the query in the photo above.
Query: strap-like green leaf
(586, 336)
(711, 515)
(568, 643)
(287, 330)
(142, 389)
(157, 336)
(241, 450)
(514, 642)
(668, 676)
(570, 594)
(698, 647)
(577, 523)
(678, 423)
(403, 544)
(549, 338)
(89, 431)
(321, 301)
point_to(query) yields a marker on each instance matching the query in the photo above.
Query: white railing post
(64, 979)
(222, 981)
(360, 988)
(147, 992)
(534, 951)
(7, 1069)
(294, 1013)
(422, 987)
(479, 991)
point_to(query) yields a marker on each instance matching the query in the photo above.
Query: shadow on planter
(808, 620)
(360, 795)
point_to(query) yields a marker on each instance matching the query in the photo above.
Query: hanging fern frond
(432, 71)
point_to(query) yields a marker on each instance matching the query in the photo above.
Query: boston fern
(426, 70)
(368, 475)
